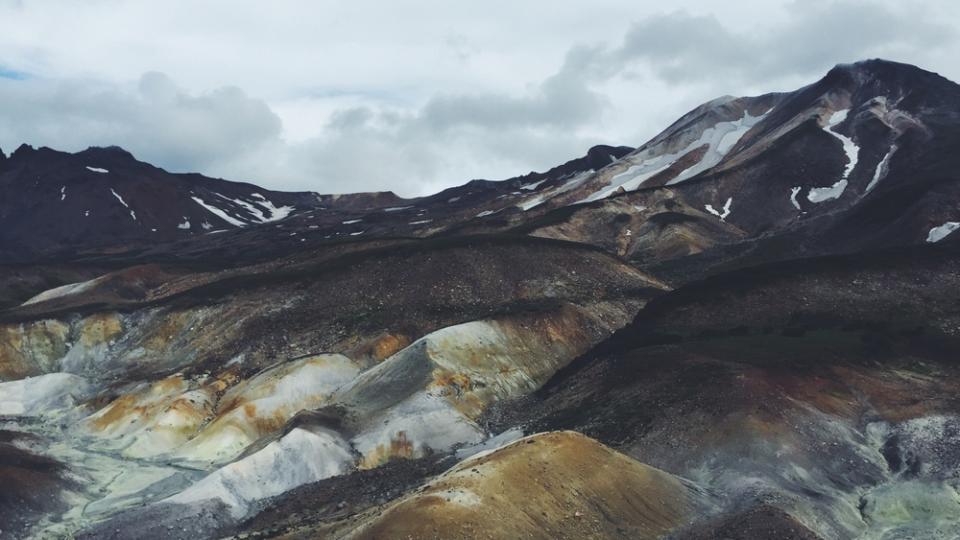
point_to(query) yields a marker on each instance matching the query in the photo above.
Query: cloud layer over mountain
(416, 97)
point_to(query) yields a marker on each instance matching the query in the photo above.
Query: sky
(414, 96)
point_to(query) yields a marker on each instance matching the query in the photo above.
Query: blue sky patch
(6, 73)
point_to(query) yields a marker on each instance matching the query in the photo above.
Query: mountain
(56, 205)
(856, 160)
(58, 201)
(746, 327)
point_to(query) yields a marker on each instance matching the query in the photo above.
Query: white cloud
(155, 119)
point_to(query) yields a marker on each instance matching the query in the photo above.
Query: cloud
(680, 47)
(155, 120)
(450, 137)
(563, 101)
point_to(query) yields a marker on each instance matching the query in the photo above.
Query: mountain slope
(858, 160)
(754, 316)
(54, 201)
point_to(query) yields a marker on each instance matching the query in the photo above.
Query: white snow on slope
(119, 198)
(821, 194)
(36, 396)
(185, 225)
(719, 139)
(352, 221)
(97, 170)
(794, 191)
(276, 213)
(726, 210)
(881, 170)
(633, 177)
(397, 208)
(69, 289)
(421, 222)
(849, 147)
(63, 192)
(533, 186)
(938, 233)
(218, 212)
(124, 203)
(299, 457)
(574, 182)
(486, 213)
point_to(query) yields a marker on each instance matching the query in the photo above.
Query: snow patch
(720, 214)
(821, 194)
(185, 225)
(940, 232)
(533, 186)
(97, 170)
(69, 289)
(719, 140)
(794, 191)
(849, 147)
(881, 170)
(421, 222)
(63, 192)
(124, 203)
(574, 182)
(276, 213)
(119, 198)
(218, 212)
(632, 178)
(397, 208)
(352, 221)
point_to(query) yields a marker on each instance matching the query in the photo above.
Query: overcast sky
(414, 96)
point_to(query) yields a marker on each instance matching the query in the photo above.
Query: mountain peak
(112, 150)
(22, 150)
(879, 72)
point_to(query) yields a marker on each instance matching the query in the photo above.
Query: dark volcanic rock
(758, 522)
(32, 485)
